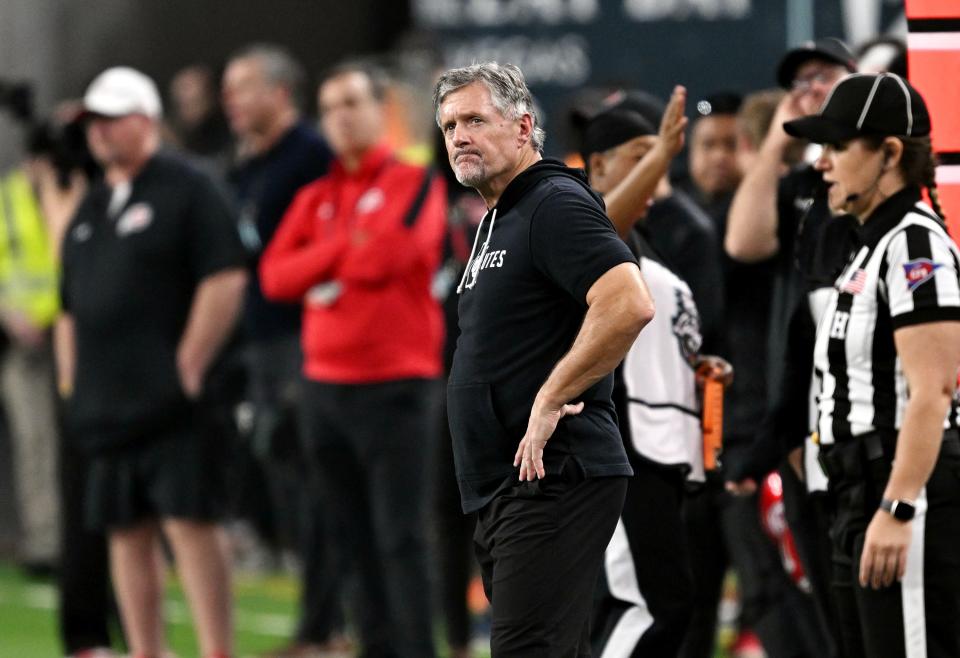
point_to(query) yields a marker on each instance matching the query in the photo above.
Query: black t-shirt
(521, 306)
(129, 281)
(814, 247)
(747, 289)
(264, 186)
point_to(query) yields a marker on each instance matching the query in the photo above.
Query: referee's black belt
(859, 457)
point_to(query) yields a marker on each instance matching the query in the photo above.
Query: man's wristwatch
(901, 510)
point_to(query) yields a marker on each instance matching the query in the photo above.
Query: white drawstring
(483, 249)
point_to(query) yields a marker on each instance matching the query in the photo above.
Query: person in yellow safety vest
(28, 272)
(29, 303)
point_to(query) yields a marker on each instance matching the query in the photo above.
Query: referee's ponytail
(919, 164)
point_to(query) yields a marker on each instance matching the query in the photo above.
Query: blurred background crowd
(242, 96)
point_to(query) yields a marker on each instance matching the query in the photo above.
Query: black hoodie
(522, 302)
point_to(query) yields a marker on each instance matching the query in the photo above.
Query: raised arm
(752, 220)
(628, 200)
(619, 306)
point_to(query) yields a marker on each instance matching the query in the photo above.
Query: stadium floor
(265, 608)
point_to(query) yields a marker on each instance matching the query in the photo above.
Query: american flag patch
(855, 284)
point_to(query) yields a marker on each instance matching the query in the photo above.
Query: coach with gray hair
(550, 302)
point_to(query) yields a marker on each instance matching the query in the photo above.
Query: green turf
(264, 610)
(264, 615)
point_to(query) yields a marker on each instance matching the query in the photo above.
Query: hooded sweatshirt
(522, 302)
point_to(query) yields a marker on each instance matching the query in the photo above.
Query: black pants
(540, 546)
(272, 459)
(86, 610)
(371, 446)
(915, 617)
(454, 542)
(809, 516)
(724, 530)
(647, 588)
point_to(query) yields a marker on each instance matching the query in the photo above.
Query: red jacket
(364, 277)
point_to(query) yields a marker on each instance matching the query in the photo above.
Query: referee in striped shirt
(886, 358)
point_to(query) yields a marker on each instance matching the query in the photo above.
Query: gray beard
(472, 178)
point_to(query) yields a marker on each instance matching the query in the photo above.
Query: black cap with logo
(612, 128)
(865, 104)
(829, 49)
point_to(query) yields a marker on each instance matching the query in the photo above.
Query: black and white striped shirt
(905, 272)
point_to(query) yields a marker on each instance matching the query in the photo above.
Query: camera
(65, 145)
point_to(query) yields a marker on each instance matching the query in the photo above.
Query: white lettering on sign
(679, 10)
(493, 13)
(561, 61)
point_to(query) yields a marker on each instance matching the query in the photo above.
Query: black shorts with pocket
(173, 473)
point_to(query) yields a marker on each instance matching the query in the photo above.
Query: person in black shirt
(277, 154)
(551, 301)
(152, 283)
(785, 220)
(679, 230)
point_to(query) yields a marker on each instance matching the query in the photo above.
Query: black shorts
(178, 473)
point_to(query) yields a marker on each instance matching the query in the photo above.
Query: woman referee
(886, 357)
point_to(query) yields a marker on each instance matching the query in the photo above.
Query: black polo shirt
(264, 186)
(522, 303)
(128, 282)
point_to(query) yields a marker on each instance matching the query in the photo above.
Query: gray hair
(508, 91)
(278, 65)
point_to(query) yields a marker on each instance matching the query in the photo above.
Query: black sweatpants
(647, 591)
(454, 542)
(915, 618)
(371, 445)
(540, 545)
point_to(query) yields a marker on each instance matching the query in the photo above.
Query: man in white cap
(152, 284)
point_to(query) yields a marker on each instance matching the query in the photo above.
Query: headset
(876, 181)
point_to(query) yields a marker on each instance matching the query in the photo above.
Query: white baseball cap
(120, 91)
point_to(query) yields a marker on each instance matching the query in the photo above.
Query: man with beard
(550, 303)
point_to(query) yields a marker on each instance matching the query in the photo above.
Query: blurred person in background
(196, 118)
(753, 121)
(60, 168)
(88, 613)
(676, 227)
(277, 153)
(712, 158)
(359, 249)
(152, 284)
(784, 219)
(724, 531)
(29, 303)
(647, 591)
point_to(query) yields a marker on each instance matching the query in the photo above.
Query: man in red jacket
(359, 247)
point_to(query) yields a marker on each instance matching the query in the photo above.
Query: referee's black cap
(864, 104)
(829, 49)
(612, 128)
